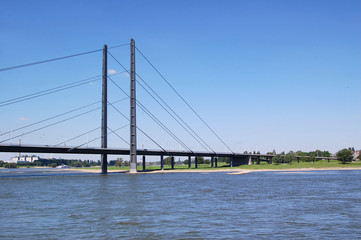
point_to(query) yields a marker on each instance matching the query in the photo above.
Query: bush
(10, 165)
(85, 164)
(119, 162)
(277, 159)
(53, 165)
(290, 157)
(76, 164)
(344, 156)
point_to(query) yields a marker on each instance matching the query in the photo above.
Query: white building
(23, 158)
(356, 154)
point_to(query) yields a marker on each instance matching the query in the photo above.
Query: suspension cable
(49, 91)
(166, 109)
(171, 109)
(52, 124)
(119, 135)
(146, 111)
(76, 137)
(154, 118)
(59, 115)
(94, 139)
(56, 59)
(53, 90)
(138, 128)
(183, 99)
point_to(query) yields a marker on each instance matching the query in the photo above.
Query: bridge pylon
(104, 124)
(133, 112)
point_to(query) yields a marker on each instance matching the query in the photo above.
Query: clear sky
(283, 75)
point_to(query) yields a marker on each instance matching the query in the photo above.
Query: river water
(262, 205)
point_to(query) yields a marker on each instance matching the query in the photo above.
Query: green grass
(263, 165)
(317, 164)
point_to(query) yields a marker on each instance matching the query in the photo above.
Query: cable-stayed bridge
(136, 80)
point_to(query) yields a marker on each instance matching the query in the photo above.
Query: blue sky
(265, 75)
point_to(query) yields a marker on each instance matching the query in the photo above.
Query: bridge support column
(258, 161)
(143, 163)
(104, 125)
(250, 160)
(231, 161)
(216, 162)
(161, 162)
(212, 162)
(196, 162)
(172, 162)
(189, 162)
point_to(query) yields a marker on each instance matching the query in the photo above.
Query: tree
(304, 159)
(10, 165)
(167, 161)
(344, 156)
(277, 159)
(85, 164)
(312, 158)
(76, 164)
(2, 163)
(200, 160)
(290, 157)
(119, 162)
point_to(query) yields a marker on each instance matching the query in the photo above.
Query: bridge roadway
(240, 158)
(117, 151)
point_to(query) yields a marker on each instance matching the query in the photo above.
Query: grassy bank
(318, 164)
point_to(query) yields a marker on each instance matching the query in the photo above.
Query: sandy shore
(225, 170)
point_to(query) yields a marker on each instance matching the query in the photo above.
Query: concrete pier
(144, 163)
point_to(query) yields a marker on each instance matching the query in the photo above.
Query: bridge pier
(258, 161)
(216, 162)
(212, 162)
(189, 162)
(143, 163)
(161, 162)
(172, 162)
(250, 160)
(196, 162)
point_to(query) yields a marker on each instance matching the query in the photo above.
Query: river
(260, 205)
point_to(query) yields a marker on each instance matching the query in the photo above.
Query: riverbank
(229, 171)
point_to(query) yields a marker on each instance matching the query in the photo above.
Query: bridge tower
(133, 112)
(104, 125)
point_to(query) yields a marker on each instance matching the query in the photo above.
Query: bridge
(133, 150)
